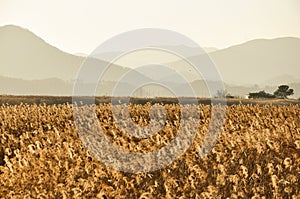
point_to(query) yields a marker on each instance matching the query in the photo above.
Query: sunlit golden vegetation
(256, 156)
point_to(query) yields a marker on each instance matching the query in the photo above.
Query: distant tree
(38, 101)
(283, 92)
(230, 96)
(261, 94)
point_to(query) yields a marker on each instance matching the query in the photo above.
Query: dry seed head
(287, 162)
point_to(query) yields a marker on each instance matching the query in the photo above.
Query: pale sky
(80, 26)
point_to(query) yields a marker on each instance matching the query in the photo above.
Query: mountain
(282, 79)
(25, 56)
(28, 65)
(187, 50)
(51, 86)
(160, 58)
(55, 86)
(257, 61)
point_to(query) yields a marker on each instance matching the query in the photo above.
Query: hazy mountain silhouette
(181, 49)
(264, 62)
(26, 56)
(187, 50)
(28, 65)
(51, 86)
(282, 79)
(257, 61)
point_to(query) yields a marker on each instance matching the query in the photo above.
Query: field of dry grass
(256, 156)
(52, 100)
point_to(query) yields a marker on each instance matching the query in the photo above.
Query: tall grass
(256, 156)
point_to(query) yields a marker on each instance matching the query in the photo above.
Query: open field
(256, 156)
(51, 100)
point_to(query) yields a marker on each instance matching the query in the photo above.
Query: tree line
(282, 92)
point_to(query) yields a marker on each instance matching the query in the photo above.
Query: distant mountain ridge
(24, 55)
(257, 61)
(58, 87)
(29, 64)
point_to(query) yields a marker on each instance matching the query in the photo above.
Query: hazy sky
(80, 26)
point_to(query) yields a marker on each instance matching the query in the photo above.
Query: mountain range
(29, 65)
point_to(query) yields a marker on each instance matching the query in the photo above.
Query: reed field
(256, 156)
